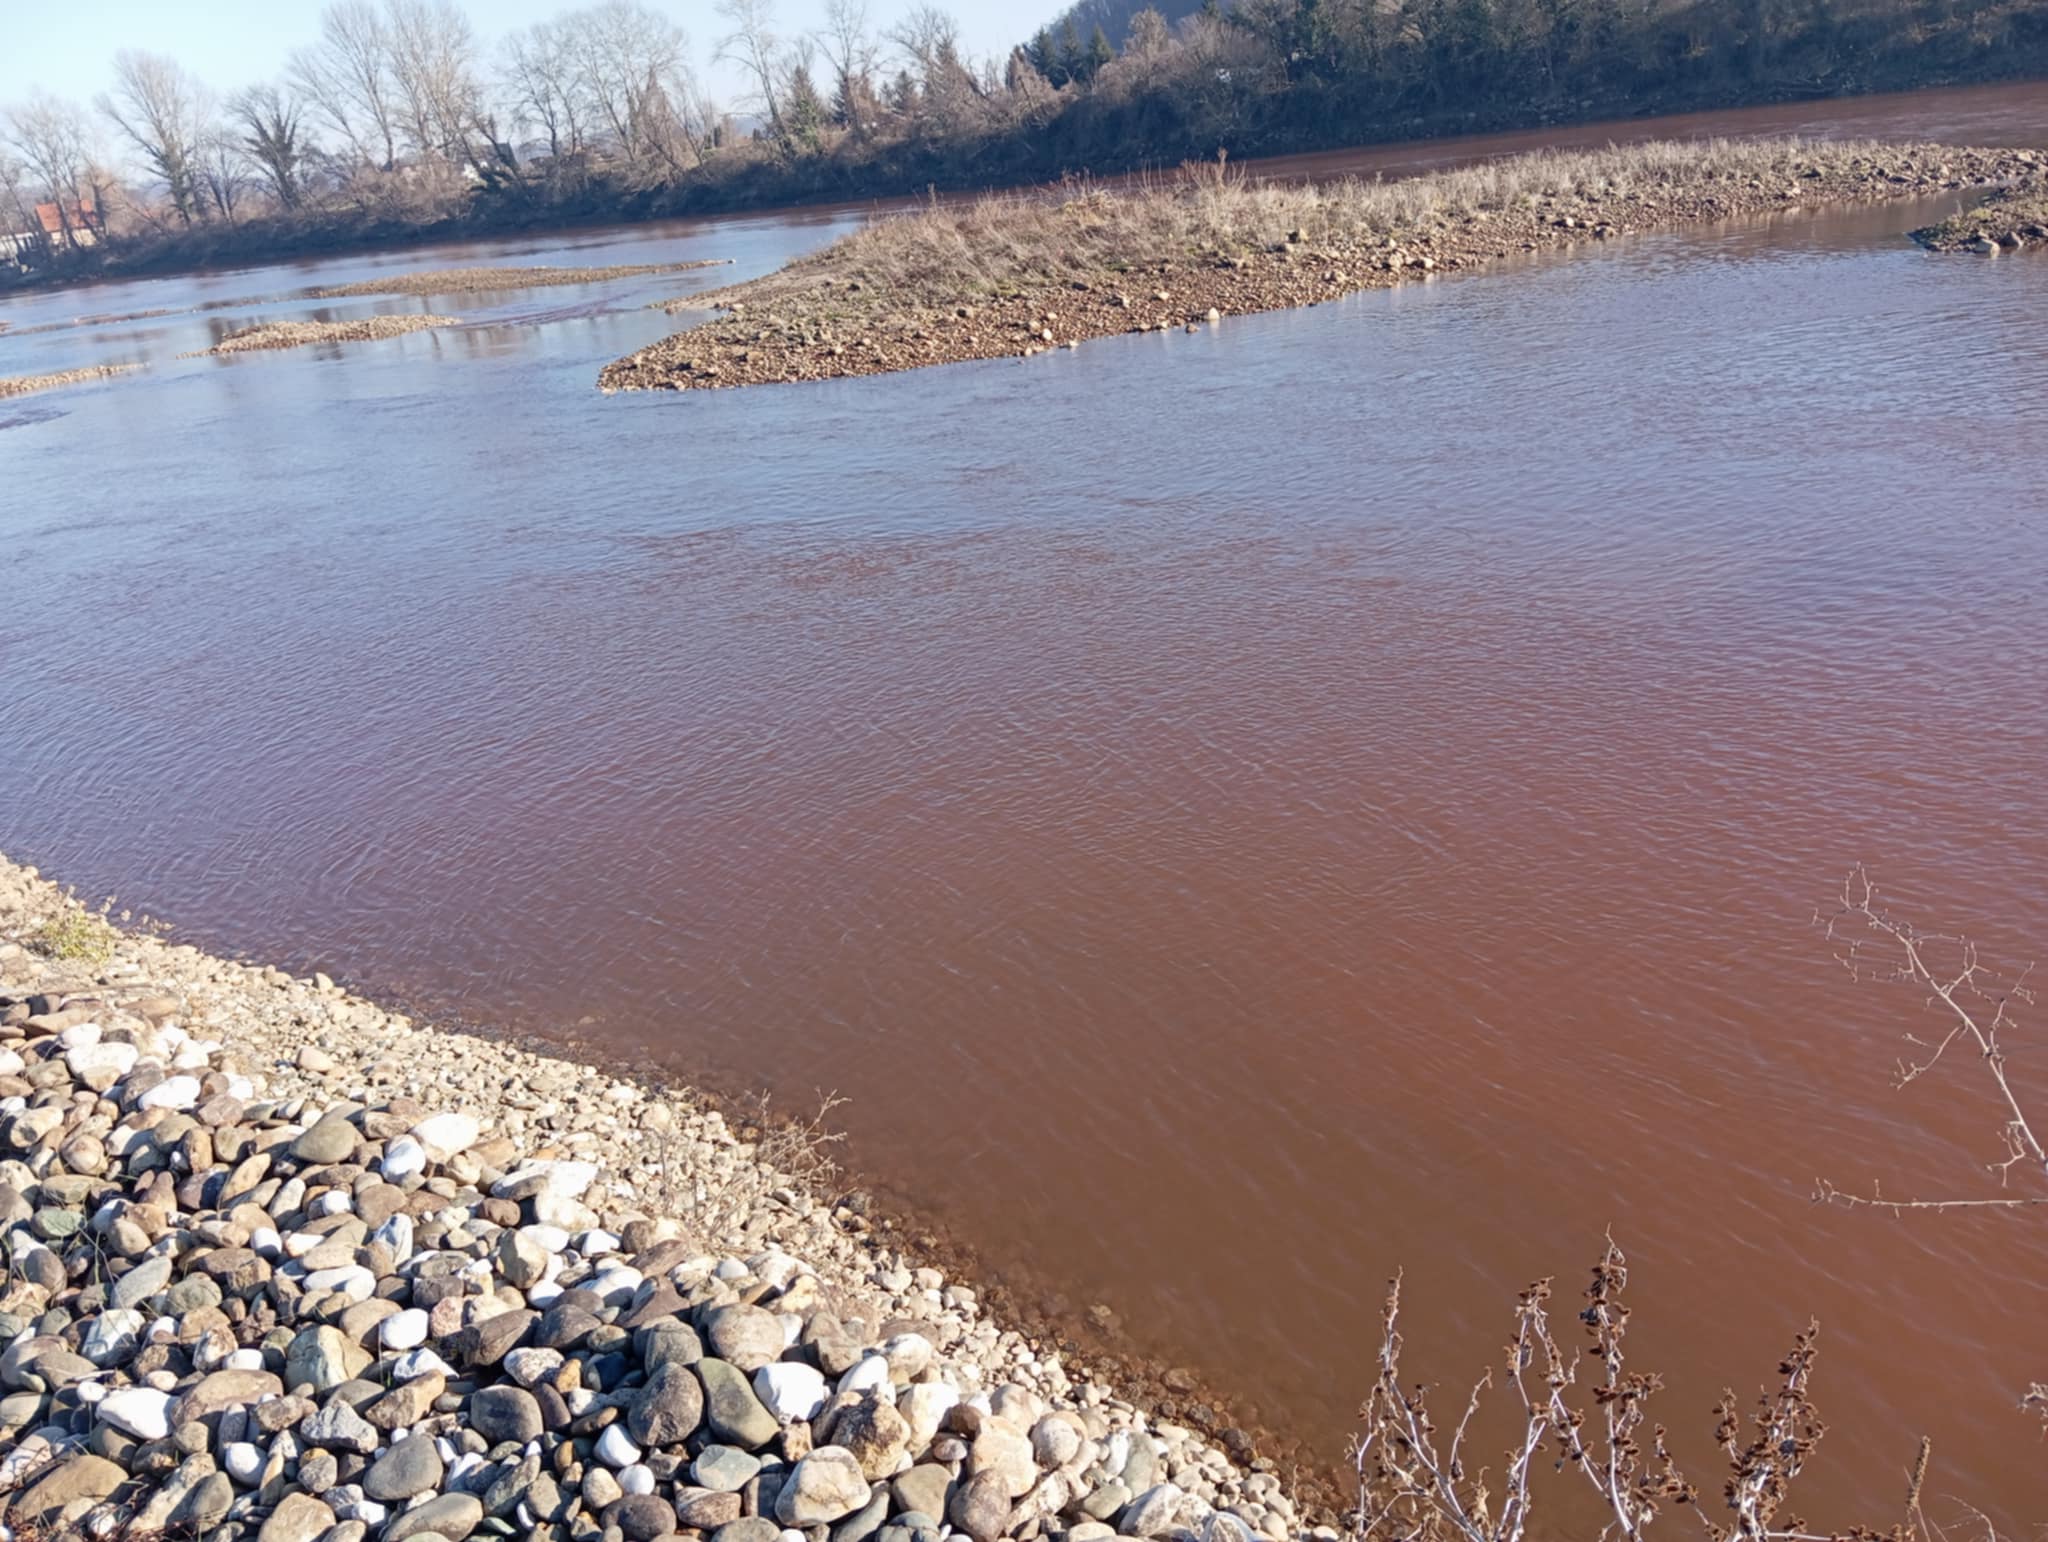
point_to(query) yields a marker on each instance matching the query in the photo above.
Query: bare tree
(929, 40)
(271, 138)
(926, 35)
(52, 139)
(433, 59)
(753, 46)
(542, 81)
(223, 172)
(632, 68)
(850, 49)
(164, 114)
(17, 208)
(346, 78)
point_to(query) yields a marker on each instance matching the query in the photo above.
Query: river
(1236, 814)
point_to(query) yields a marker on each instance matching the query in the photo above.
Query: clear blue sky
(64, 46)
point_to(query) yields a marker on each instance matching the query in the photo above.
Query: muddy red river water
(1236, 814)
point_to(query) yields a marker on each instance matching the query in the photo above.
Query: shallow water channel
(1236, 814)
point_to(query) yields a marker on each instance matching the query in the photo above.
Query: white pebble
(614, 1449)
(243, 1462)
(636, 1479)
(873, 1371)
(351, 1280)
(395, 1234)
(615, 1286)
(418, 1363)
(791, 1391)
(403, 1158)
(446, 1135)
(406, 1330)
(173, 1092)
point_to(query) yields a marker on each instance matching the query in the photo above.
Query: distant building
(83, 216)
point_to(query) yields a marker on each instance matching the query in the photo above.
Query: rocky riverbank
(2007, 220)
(301, 334)
(488, 280)
(1020, 275)
(285, 1265)
(22, 385)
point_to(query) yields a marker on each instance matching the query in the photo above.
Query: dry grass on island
(486, 280)
(302, 334)
(22, 385)
(2011, 218)
(1021, 273)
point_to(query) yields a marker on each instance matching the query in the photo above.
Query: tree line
(399, 117)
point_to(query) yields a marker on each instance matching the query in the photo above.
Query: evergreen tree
(1073, 62)
(1044, 55)
(1099, 52)
(803, 112)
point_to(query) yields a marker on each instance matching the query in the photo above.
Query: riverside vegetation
(1022, 273)
(395, 122)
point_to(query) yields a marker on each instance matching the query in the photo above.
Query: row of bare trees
(398, 109)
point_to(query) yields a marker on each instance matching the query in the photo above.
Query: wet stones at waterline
(283, 1267)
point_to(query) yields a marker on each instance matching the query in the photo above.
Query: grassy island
(1017, 274)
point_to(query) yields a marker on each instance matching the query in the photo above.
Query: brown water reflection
(1237, 813)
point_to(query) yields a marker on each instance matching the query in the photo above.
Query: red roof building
(81, 216)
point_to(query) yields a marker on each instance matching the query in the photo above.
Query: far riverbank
(1903, 109)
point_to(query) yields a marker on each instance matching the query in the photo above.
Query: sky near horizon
(67, 48)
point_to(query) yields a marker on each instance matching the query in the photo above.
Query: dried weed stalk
(1976, 1011)
(1586, 1413)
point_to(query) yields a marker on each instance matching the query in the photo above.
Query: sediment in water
(282, 1260)
(22, 385)
(1022, 274)
(301, 334)
(484, 280)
